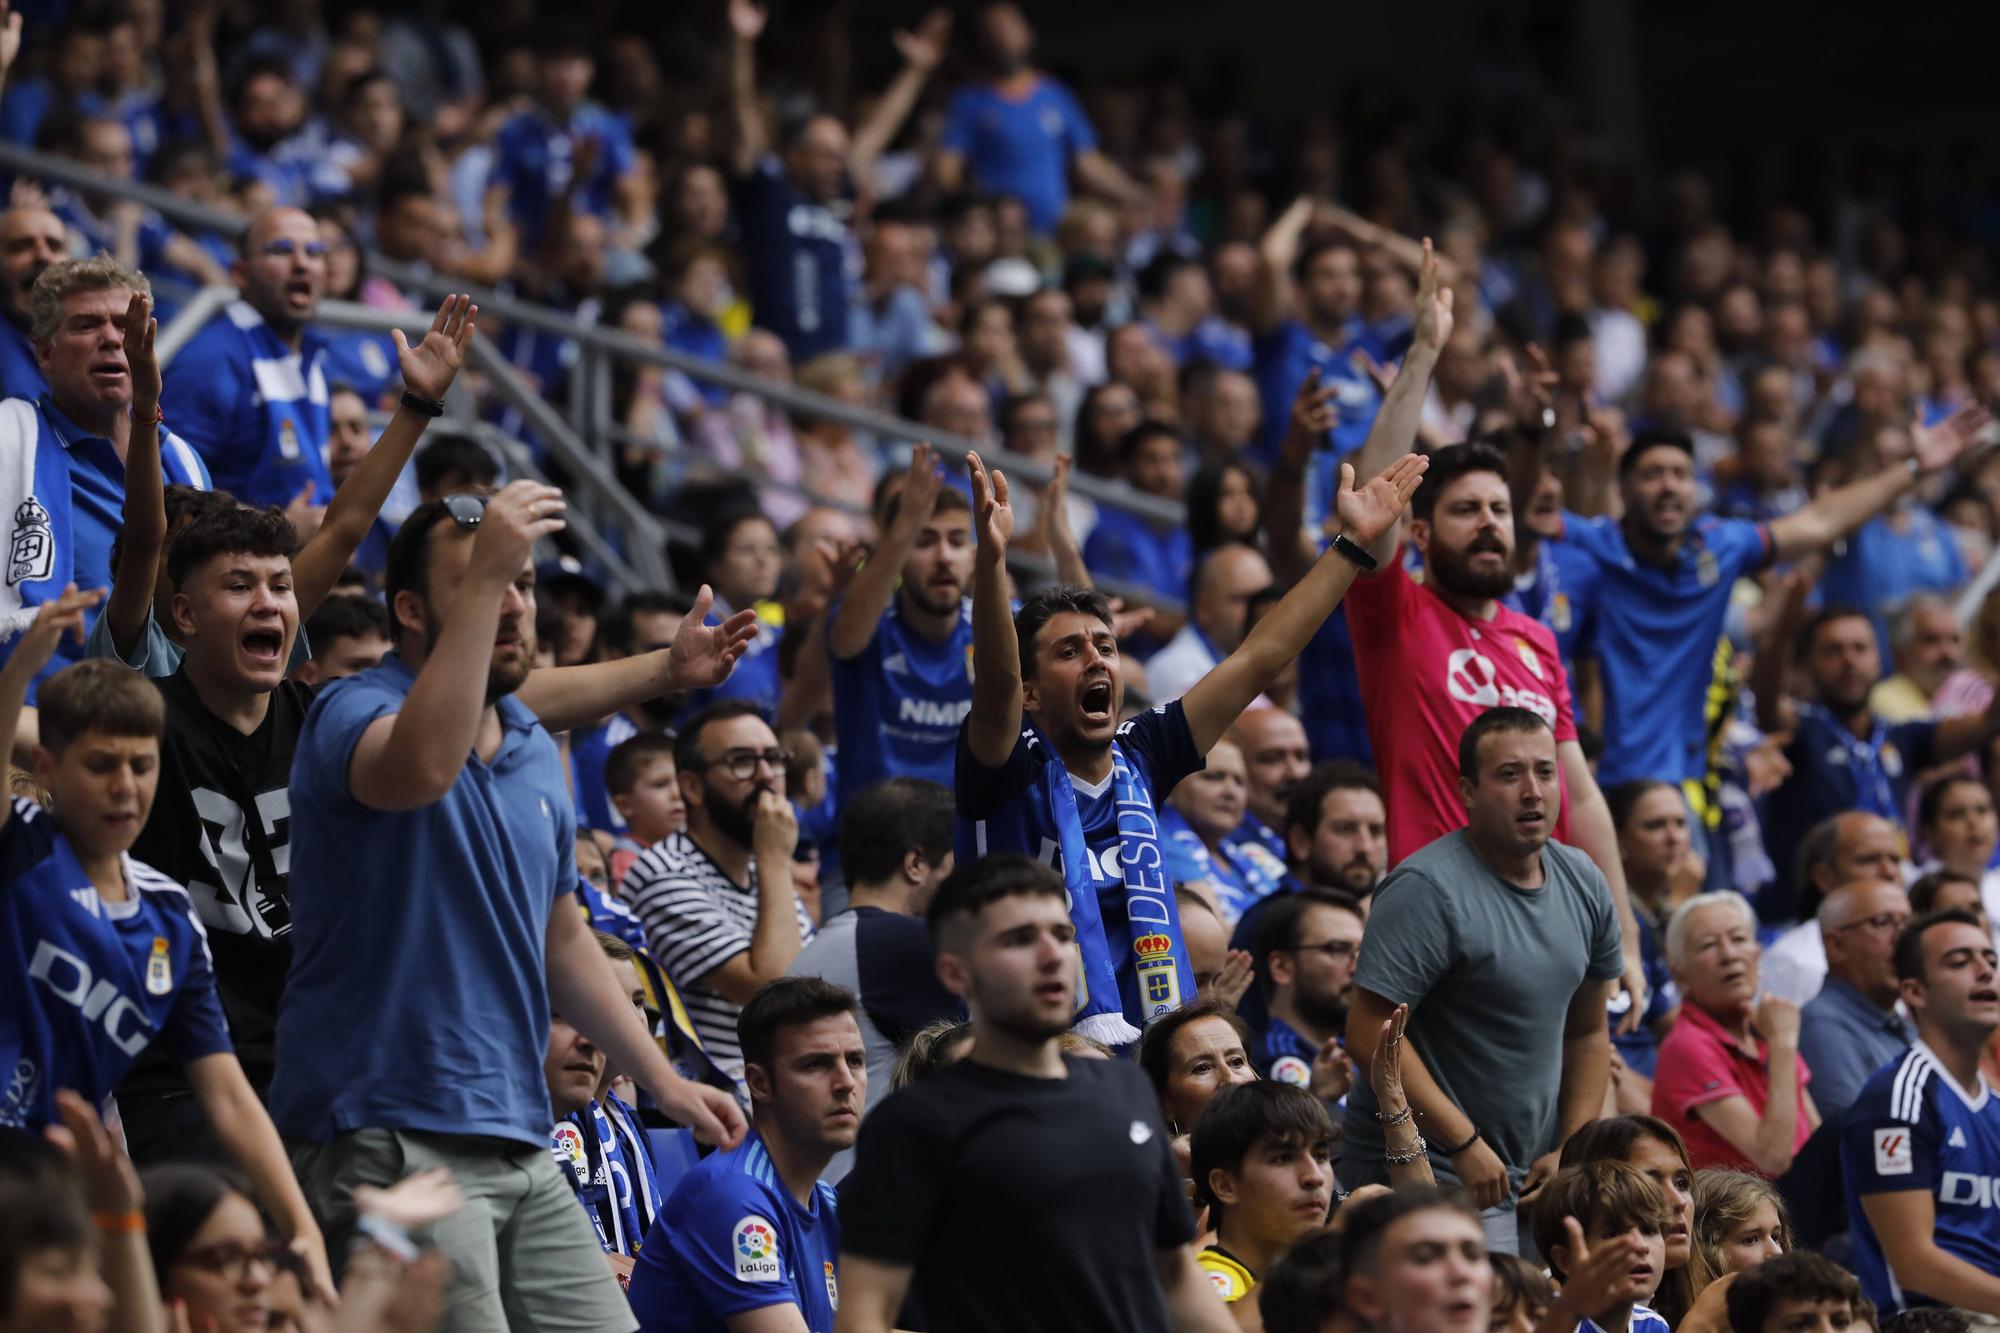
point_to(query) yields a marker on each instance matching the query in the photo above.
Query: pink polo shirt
(1701, 1063)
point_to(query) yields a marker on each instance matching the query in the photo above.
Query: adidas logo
(87, 899)
(1957, 1139)
(896, 664)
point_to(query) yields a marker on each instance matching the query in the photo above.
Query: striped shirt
(697, 919)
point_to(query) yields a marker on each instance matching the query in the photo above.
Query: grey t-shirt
(1488, 969)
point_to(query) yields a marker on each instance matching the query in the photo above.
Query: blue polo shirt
(1282, 358)
(1833, 770)
(1125, 546)
(254, 409)
(1561, 592)
(1656, 635)
(1881, 568)
(418, 997)
(1844, 1040)
(534, 158)
(20, 373)
(1020, 148)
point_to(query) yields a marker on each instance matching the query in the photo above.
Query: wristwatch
(1351, 550)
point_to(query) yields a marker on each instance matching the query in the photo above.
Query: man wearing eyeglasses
(248, 391)
(1307, 943)
(1852, 1028)
(717, 899)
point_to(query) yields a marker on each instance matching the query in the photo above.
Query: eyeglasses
(1882, 923)
(232, 1259)
(286, 249)
(742, 764)
(466, 510)
(1335, 949)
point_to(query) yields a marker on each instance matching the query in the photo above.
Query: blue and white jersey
(20, 373)
(1283, 1054)
(1915, 1128)
(89, 983)
(1644, 1320)
(1561, 592)
(607, 1161)
(253, 408)
(803, 259)
(535, 158)
(899, 702)
(732, 1239)
(1242, 874)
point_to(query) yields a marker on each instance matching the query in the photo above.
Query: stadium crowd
(1521, 854)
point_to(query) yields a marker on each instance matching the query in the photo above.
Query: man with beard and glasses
(1306, 948)
(31, 239)
(963, 1165)
(899, 644)
(721, 912)
(435, 928)
(1046, 768)
(249, 391)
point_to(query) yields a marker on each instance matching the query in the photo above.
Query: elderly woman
(1730, 1078)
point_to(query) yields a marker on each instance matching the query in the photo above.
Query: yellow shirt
(1232, 1280)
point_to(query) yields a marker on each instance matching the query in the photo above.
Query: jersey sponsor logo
(1892, 1152)
(70, 980)
(1470, 678)
(931, 713)
(31, 551)
(832, 1287)
(1965, 1190)
(755, 1246)
(1141, 1132)
(1290, 1069)
(569, 1152)
(159, 969)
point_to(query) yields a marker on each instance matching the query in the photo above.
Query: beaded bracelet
(1401, 1117)
(1413, 1155)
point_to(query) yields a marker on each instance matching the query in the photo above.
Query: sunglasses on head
(466, 510)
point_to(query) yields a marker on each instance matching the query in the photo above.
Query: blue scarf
(1159, 956)
(607, 1163)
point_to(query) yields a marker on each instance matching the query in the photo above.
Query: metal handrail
(1116, 494)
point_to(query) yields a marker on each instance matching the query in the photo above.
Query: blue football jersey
(731, 1239)
(1914, 1128)
(92, 983)
(898, 703)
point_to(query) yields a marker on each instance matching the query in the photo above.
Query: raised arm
(1218, 698)
(38, 642)
(702, 655)
(1837, 513)
(1774, 657)
(1271, 298)
(873, 587)
(428, 370)
(244, 1129)
(1479, 1169)
(144, 534)
(1768, 1140)
(871, 1294)
(112, 1186)
(1394, 431)
(1293, 549)
(1597, 837)
(994, 723)
(10, 42)
(746, 24)
(922, 51)
(1400, 1139)
(1053, 528)
(412, 757)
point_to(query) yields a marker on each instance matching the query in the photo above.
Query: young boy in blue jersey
(108, 956)
(899, 645)
(752, 1229)
(1045, 768)
(1602, 1227)
(1921, 1148)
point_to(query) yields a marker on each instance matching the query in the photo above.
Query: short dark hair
(1241, 1116)
(180, 1198)
(1925, 892)
(460, 454)
(1447, 466)
(1304, 1286)
(1493, 721)
(1909, 951)
(41, 1206)
(1039, 608)
(1309, 254)
(1819, 847)
(408, 566)
(630, 756)
(1931, 801)
(970, 888)
(1623, 798)
(1160, 271)
(1278, 923)
(1929, 1319)
(687, 741)
(1136, 438)
(950, 500)
(1827, 615)
(1801, 1275)
(1654, 438)
(787, 1002)
(1156, 1043)
(347, 618)
(1603, 1192)
(616, 629)
(184, 505)
(1367, 1222)
(887, 820)
(715, 536)
(235, 530)
(101, 695)
(1304, 807)
(1518, 1283)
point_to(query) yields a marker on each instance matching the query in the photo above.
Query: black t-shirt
(1022, 1203)
(222, 825)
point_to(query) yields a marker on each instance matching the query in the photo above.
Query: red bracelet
(121, 1223)
(159, 415)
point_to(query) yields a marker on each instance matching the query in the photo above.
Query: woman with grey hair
(1730, 1078)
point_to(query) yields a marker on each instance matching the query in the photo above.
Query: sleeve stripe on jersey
(148, 880)
(1906, 1097)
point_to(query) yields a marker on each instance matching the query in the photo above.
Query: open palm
(1367, 513)
(704, 654)
(1940, 445)
(991, 512)
(431, 366)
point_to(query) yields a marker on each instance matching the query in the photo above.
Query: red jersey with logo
(1426, 672)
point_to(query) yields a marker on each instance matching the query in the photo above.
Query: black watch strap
(1351, 550)
(416, 402)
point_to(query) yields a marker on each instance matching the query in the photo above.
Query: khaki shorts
(524, 1257)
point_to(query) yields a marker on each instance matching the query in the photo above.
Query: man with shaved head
(1224, 582)
(31, 239)
(1275, 759)
(1848, 848)
(248, 391)
(1851, 1029)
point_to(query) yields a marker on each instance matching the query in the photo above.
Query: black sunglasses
(466, 510)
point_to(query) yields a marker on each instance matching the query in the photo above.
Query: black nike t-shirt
(1022, 1203)
(221, 825)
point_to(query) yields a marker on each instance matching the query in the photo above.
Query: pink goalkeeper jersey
(1426, 672)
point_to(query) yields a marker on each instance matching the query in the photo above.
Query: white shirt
(1173, 670)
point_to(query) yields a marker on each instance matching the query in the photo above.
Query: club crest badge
(31, 552)
(159, 969)
(1159, 975)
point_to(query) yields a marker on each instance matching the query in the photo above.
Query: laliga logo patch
(1892, 1152)
(1159, 975)
(159, 969)
(31, 553)
(755, 1247)
(1290, 1069)
(569, 1152)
